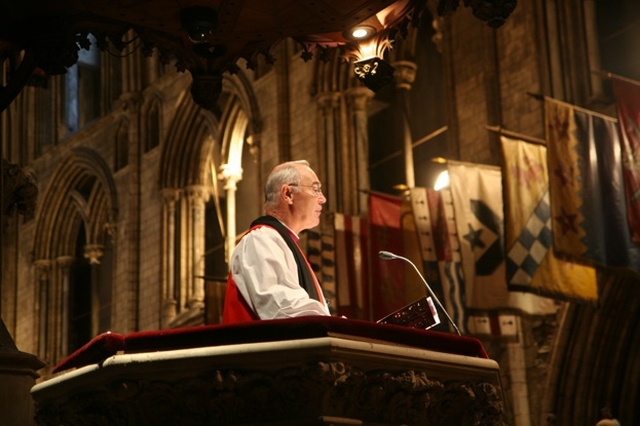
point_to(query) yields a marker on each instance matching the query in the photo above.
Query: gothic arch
(333, 74)
(184, 155)
(196, 139)
(239, 87)
(81, 192)
(80, 189)
(595, 367)
(152, 120)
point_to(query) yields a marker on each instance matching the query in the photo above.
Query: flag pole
(611, 76)
(540, 97)
(506, 132)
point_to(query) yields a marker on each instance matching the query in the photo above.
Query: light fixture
(442, 181)
(373, 71)
(199, 22)
(361, 32)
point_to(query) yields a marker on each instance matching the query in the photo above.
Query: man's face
(308, 199)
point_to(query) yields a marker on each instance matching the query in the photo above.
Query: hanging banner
(585, 186)
(476, 192)
(628, 106)
(531, 264)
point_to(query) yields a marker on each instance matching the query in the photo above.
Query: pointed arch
(182, 160)
(81, 189)
(238, 86)
(77, 206)
(152, 121)
(196, 140)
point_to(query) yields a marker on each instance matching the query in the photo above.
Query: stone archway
(82, 194)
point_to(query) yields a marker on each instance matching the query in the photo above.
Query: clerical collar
(293, 234)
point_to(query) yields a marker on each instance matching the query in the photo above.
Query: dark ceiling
(45, 35)
(205, 37)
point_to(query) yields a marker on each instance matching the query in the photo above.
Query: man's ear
(286, 193)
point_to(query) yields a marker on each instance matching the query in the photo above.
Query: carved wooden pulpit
(300, 371)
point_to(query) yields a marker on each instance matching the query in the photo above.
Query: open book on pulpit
(420, 314)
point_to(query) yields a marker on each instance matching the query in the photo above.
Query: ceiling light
(442, 181)
(199, 22)
(361, 32)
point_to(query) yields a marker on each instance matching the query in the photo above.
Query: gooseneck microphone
(387, 255)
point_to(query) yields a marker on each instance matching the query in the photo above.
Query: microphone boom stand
(386, 255)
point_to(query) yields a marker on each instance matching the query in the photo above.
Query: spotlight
(374, 72)
(442, 181)
(361, 32)
(199, 22)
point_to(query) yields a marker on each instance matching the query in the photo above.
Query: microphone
(387, 255)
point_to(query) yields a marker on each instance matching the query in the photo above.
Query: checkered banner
(531, 263)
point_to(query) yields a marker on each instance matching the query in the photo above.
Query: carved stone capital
(405, 74)
(359, 98)
(112, 230)
(93, 252)
(328, 100)
(438, 37)
(19, 192)
(197, 193)
(231, 175)
(43, 268)
(65, 262)
(171, 196)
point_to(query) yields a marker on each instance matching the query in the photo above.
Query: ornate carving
(405, 74)
(93, 252)
(43, 268)
(231, 174)
(206, 88)
(19, 192)
(493, 12)
(296, 393)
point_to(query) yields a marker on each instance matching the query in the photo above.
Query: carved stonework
(297, 394)
(19, 192)
(405, 74)
(93, 252)
(493, 12)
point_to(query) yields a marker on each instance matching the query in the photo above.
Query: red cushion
(300, 328)
(97, 349)
(108, 344)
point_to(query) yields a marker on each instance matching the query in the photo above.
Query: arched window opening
(90, 287)
(153, 127)
(122, 146)
(80, 296)
(82, 89)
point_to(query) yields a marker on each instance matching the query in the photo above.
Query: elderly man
(270, 277)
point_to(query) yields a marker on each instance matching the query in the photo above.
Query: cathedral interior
(136, 137)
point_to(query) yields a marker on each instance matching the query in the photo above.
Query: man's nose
(322, 199)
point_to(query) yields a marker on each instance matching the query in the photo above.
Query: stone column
(43, 273)
(231, 175)
(197, 196)
(61, 301)
(94, 252)
(329, 106)
(131, 105)
(405, 75)
(359, 99)
(593, 48)
(169, 302)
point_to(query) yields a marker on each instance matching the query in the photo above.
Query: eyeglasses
(315, 188)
